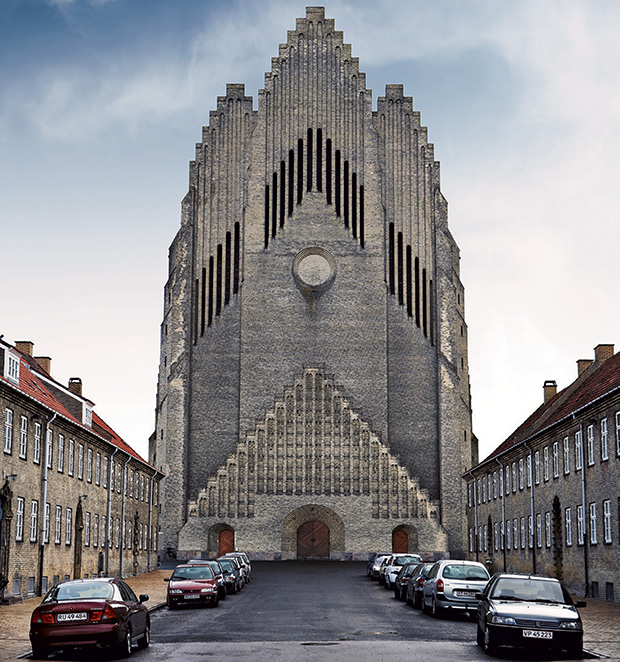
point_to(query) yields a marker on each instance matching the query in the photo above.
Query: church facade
(313, 395)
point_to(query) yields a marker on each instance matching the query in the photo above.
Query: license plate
(464, 594)
(192, 597)
(537, 634)
(73, 616)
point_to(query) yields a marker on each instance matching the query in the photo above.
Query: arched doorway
(226, 542)
(400, 542)
(313, 540)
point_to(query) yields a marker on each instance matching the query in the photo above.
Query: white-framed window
(494, 487)
(607, 521)
(68, 525)
(471, 539)
(578, 451)
(36, 451)
(528, 470)
(98, 469)
(80, 470)
(488, 487)
(89, 465)
(95, 530)
(593, 532)
(530, 531)
(618, 433)
(538, 530)
(23, 437)
(71, 457)
(105, 471)
(484, 491)
(469, 491)
(515, 533)
(590, 438)
(34, 520)
(514, 476)
(104, 529)
(568, 521)
(110, 532)
(61, 453)
(501, 482)
(119, 478)
(521, 474)
(19, 519)
(125, 479)
(496, 536)
(507, 481)
(156, 490)
(117, 533)
(537, 467)
(13, 370)
(502, 535)
(581, 528)
(556, 459)
(604, 442)
(143, 536)
(87, 529)
(548, 529)
(523, 533)
(8, 431)
(141, 487)
(50, 448)
(131, 486)
(46, 522)
(566, 455)
(508, 534)
(146, 490)
(129, 534)
(111, 474)
(546, 463)
(58, 525)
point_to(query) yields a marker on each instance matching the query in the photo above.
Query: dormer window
(12, 372)
(88, 417)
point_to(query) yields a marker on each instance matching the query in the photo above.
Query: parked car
(416, 584)
(232, 574)
(218, 571)
(528, 611)
(376, 565)
(454, 585)
(371, 563)
(192, 583)
(402, 580)
(393, 566)
(102, 612)
(246, 566)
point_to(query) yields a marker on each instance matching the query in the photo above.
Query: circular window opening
(314, 268)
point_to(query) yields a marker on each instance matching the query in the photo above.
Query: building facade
(547, 500)
(76, 500)
(313, 396)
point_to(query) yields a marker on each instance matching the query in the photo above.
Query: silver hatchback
(453, 585)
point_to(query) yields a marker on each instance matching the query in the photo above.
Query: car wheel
(171, 605)
(125, 648)
(409, 600)
(39, 653)
(145, 639)
(489, 642)
(222, 592)
(216, 602)
(417, 601)
(435, 608)
(425, 607)
(479, 636)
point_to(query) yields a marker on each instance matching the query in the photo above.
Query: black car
(528, 611)
(232, 574)
(416, 582)
(402, 580)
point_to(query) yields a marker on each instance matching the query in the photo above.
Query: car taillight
(41, 617)
(439, 586)
(107, 615)
(421, 582)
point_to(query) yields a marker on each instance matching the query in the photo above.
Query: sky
(102, 102)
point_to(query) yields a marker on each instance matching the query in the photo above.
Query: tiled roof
(34, 387)
(596, 381)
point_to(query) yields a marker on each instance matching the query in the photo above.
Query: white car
(395, 564)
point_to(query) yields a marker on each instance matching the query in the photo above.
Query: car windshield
(465, 572)
(528, 589)
(227, 565)
(81, 591)
(402, 560)
(195, 572)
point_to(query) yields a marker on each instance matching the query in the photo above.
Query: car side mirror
(479, 595)
(166, 579)
(580, 604)
(144, 597)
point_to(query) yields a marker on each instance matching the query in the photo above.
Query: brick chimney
(24, 346)
(75, 385)
(603, 352)
(45, 362)
(550, 388)
(583, 365)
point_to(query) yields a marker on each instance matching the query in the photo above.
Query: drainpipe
(503, 531)
(44, 501)
(531, 479)
(110, 527)
(123, 523)
(148, 550)
(583, 507)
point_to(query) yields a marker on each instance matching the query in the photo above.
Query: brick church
(313, 396)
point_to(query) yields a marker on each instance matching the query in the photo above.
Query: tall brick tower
(313, 396)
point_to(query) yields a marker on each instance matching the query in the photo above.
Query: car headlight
(570, 625)
(208, 589)
(176, 590)
(503, 620)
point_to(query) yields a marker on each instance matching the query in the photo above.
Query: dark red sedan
(102, 612)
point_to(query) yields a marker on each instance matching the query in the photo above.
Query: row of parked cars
(516, 610)
(200, 582)
(105, 613)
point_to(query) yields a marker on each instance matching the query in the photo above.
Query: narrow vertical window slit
(362, 216)
(266, 216)
(291, 181)
(400, 268)
(328, 170)
(417, 290)
(409, 283)
(300, 170)
(227, 269)
(282, 193)
(424, 307)
(354, 204)
(210, 309)
(309, 161)
(345, 192)
(391, 259)
(203, 302)
(218, 281)
(319, 160)
(274, 205)
(237, 251)
(337, 182)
